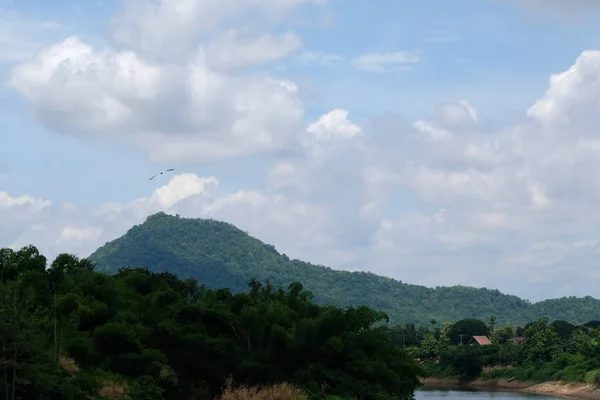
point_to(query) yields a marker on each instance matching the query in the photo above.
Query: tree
(520, 331)
(564, 329)
(542, 342)
(20, 324)
(491, 324)
(501, 335)
(465, 360)
(468, 328)
(430, 347)
(70, 332)
(592, 324)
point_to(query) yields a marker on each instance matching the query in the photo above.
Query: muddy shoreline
(557, 389)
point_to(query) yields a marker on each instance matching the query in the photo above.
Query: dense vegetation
(68, 332)
(551, 351)
(220, 255)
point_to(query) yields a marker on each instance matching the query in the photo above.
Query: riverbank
(558, 389)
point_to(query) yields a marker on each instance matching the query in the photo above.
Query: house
(517, 339)
(480, 340)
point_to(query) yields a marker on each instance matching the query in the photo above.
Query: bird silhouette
(161, 172)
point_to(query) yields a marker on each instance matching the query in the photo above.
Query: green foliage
(145, 388)
(220, 255)
(68, 332)
(502, 335)
(551, 351)
(466, 362)
(564, 329)
(592, 324)
(593, 377)
(467, 327)
(543, 342)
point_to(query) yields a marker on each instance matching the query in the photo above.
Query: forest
(220, 255)
(69, 332)
(546, 351)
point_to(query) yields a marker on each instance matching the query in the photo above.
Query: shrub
(593, 377)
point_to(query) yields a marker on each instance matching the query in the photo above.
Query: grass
(113, 390)
(282, 391)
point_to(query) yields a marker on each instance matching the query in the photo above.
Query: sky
(439, 143)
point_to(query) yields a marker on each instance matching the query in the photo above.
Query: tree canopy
(467, 328)
(220, 255)
(68, 332)
(547, 352)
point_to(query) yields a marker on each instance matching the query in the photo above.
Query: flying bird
(161, 172)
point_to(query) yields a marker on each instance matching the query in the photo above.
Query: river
(455, 394)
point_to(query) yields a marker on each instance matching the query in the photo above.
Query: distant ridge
(219, 255)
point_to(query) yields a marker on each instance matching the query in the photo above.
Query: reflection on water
(475, 394)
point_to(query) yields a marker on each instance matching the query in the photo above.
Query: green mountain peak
(218, 254)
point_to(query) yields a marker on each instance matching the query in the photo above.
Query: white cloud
(72, 235)
(157, 85)
(177, 112)
(268, 216)
(480, 206)
(486, 205)
(234, 49)
(331, 130)
(181, 21)
(572, 96)
(437, 201)
(385, 62)
(24, 203)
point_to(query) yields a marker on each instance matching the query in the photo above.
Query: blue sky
(496, 55)
(483, 52)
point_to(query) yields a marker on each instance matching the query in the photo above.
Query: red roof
(482, 340)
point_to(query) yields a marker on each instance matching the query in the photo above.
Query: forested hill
(220, 255)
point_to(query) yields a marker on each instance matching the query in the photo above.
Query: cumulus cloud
(236, 49)
(516, 193)
(176, 112)
(479, 206)
(165, 91)
(272, 217)
(331, 130)
(438, 201)
(182, 21)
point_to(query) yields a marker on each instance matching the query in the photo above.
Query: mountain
(220, 255)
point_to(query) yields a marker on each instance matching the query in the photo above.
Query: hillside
(220, 255)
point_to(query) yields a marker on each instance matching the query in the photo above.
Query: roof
(517, 339)
(482, 340)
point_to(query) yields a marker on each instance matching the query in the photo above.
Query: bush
(145, 388)
(593, 377)
(465, 360)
